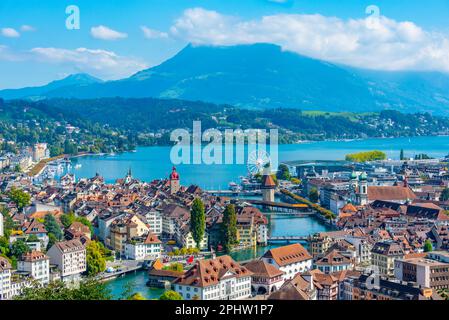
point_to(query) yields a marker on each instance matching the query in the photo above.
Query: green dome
(363, 176)
(353, 175)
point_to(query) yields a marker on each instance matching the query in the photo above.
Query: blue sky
(118, 37)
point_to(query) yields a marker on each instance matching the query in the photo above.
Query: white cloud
(101, 63)
(105, 33)
(383, 44)
(10, 33)
(153, 34)
(27, 28)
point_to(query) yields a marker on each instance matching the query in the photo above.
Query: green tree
(51, 240)
(4, 246)
(197, 221)
(95, 260)
(137, 296)
(229, 227)
(70, 148)
(428, 247)
(313, 195)
(19, 248)
(52, 226)
(19, 197)
(33, 238)
(283, 172)
(444, 195)
(170, 295)
(366, 156)
(86, 222)
(89, 289)
(67, 219)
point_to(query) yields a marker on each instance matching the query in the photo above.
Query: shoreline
(33, 173)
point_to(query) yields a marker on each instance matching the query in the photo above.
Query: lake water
(151, 163)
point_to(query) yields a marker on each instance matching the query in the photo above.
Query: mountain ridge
(265, 76)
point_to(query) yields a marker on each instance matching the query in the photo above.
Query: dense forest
(119, 124)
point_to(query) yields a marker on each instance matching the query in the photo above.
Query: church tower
(362, 190)
(129, 177)
(268, 186)
(353, 187)
(174, 181)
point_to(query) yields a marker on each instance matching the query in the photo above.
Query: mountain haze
(73, 81)
(264, 76)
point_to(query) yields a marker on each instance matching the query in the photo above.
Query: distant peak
(82, 77)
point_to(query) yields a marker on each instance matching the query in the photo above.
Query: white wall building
(154, 219)
(70, 257)
(37, 265)
(149, 248)
(5, 278)
(215, 279)
(262, 233)
(291, 259)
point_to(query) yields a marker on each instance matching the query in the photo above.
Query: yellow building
(246, 232)
(383, 256)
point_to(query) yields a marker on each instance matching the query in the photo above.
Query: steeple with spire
(129, 176)
(174, 181)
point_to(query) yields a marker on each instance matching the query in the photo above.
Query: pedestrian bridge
(287, 239)
(282, 207)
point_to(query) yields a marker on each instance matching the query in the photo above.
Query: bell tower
(268, 185)
(362, 192)
(174, 181)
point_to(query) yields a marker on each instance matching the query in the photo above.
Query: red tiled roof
(262, 269)
(209, 272)
(34, 256)
(152, 239)
(268, 182)
(288, 254)
(390, 193)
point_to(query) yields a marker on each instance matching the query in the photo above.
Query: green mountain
(264, 76)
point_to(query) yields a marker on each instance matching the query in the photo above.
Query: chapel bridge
(287, 239)
(282, 207)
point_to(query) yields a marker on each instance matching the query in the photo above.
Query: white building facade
(37, 265)
(70, 257)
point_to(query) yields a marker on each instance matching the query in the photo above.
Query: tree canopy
(52, 226)
(366, 156)
(283, 172)
(95, 259)
(89, 289)
(229, 228)
(197, 221)
(170, 295)
(19, 197)
(428, 247)
(313, 195)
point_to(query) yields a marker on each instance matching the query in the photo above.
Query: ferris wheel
(257, 161)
